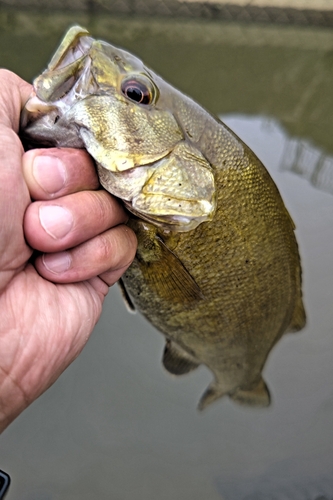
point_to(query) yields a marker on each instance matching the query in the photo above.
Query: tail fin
(258, 397)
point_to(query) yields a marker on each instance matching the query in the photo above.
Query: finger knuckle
(104, 249)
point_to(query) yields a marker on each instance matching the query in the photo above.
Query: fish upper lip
(75, 52)
(76, 38)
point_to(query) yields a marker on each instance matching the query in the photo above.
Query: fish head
(98, 97)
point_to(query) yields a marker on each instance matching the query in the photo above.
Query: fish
(217, 269)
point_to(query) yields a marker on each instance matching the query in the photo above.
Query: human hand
(49, 305)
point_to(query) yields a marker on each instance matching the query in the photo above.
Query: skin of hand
(63, 242)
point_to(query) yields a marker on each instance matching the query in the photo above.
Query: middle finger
(52, 226)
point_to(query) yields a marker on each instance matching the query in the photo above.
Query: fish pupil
(135, 94)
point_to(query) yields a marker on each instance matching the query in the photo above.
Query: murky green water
(116, 425)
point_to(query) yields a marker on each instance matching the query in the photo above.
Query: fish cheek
(121, 135)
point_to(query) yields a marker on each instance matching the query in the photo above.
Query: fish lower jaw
(35, 111)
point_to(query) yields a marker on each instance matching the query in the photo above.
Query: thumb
(14, 93)
(14, 194)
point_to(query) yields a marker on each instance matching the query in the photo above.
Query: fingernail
(58, 262)
(57, 221)
(49, 172)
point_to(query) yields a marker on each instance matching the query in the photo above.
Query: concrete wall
(299, 12)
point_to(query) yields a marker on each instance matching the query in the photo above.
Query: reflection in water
(309, 162)
(294, 155)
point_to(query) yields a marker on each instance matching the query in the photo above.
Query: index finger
(55, 172)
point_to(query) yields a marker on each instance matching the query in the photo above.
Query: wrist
(12, 401)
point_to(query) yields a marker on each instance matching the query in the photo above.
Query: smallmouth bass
(217, 268)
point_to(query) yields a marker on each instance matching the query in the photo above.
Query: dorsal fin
(176, 360)
(298, 320)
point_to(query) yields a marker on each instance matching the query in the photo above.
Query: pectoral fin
(176, 360)
(168, 277)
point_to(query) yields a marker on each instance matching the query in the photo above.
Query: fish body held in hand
(217, 269)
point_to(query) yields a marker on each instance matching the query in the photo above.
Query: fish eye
(137, 91)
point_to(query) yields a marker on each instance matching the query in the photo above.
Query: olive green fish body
(245, 263)
(217, 269)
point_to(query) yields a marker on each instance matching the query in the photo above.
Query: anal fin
(211, 394)
(176, 360)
